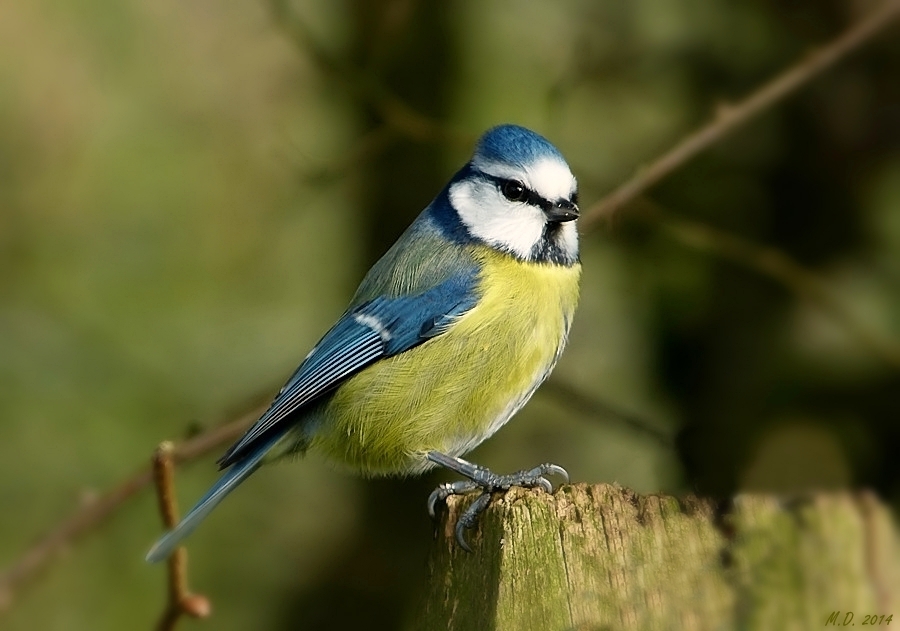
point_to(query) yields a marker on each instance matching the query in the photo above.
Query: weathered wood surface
(600, 557)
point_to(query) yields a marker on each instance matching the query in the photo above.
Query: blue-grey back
(421, 258)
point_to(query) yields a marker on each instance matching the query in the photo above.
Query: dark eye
(514, 191)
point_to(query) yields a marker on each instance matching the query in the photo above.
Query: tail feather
(229, 481)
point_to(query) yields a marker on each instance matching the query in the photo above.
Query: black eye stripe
(526, 196)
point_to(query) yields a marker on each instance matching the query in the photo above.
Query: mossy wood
(601, 557)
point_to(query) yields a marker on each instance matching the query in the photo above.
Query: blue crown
(514, 145)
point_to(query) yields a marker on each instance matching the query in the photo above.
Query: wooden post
(601, 557)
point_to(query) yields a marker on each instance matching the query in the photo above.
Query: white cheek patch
(490, 217)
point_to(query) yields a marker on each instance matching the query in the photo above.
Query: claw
(545, 484)
(485, 480)
(460, 531)
(470, 517)
(437, 495)
(557, 470)
(445, 490)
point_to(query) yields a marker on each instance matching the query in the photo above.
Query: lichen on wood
(602, 557)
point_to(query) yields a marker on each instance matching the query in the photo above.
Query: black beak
(561, 211)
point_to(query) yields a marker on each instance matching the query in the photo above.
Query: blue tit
(447, 337)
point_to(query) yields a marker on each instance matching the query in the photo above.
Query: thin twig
(731, 117)
(90, 516)
(778, 266)
(181, 602)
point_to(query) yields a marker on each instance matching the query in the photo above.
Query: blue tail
(229, 481)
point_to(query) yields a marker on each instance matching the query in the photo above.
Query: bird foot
(487, 482)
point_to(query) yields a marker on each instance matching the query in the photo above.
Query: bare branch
(90, 516)
(181, 602)
(778, 266)
(728, 118)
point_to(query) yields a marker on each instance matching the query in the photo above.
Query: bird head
(518, 195)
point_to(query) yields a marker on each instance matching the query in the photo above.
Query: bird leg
(486, 481)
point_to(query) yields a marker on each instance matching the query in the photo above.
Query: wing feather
(379, 328)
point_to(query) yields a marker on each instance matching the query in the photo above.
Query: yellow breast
(455, 390)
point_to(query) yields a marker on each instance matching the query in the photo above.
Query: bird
(448, 335)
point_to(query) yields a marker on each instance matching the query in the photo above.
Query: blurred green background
(190, 191)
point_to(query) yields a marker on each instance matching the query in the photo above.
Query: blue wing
(379, 328)
(375, 329)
